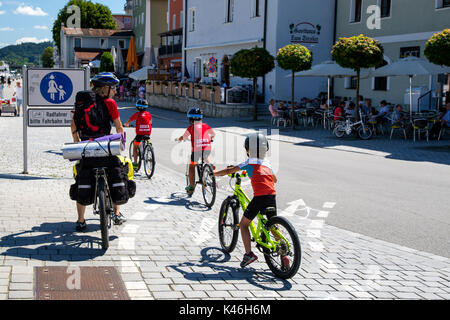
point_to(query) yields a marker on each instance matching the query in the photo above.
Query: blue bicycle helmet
(195, 114)
(141, 104)
(105, 79)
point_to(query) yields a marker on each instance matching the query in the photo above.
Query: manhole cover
(79, 283)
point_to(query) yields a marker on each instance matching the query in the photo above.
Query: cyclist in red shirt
(201, 137)
(263, 182)
(143, 126)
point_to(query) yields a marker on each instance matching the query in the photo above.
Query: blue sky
(32, 21)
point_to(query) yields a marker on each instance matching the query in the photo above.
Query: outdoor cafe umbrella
(132, 59)
(141, 74)
(94, 64)
(119, 61)
(410, 66)
(329, 69)
(114, 56)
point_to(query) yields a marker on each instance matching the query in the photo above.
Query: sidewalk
(169, 248)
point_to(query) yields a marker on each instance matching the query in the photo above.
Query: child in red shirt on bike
(201, 137)
(263, 184)
(143, 126)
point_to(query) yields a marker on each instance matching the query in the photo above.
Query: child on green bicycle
(263, 183)
(143, 126)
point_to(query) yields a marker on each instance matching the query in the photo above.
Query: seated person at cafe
(398, 116)
(382, 116)
(323, 104)
(444, 121)
(365, 107)
(273, 109)
(339, 112)
(350, 112)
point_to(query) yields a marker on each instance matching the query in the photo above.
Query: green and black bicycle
(276, 238)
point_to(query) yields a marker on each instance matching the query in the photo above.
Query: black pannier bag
(85, 183)
(118, 185)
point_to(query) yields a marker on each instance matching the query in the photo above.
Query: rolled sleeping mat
(112, 137)
(91, 149)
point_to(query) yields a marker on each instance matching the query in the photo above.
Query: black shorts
(259, 203)
(139, 138)
(197, 155)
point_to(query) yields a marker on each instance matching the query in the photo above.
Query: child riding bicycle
(201, 137)
(143, 126)
(263, 184)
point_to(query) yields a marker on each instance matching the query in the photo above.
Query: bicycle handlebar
(244, 174)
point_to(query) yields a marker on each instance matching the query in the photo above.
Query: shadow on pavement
(21, 177)
(54, 242)
(179, 199)
(214, 259)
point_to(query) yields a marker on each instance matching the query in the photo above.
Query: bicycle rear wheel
(149, 160)
(365, 133)
(208, 185)
(104, 210)
(228, 225)
(284, 262)
(339, 131)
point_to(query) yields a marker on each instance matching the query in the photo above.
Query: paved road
(391, 190)
(168, 249)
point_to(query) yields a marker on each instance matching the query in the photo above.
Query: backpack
(91, 116)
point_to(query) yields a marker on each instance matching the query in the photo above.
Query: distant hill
(25, 53)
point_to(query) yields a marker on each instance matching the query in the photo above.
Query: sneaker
(248, 258)
(119, 219)
(190, 190)
(81, 226)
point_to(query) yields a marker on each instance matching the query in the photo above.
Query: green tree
(252, 63)
(358, 52)
(93, 15)
(47, 58)
(106, 62)
(437, 48)
(294, 57)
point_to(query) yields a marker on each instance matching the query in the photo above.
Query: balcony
(169, 50)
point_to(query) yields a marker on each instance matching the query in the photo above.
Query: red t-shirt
(143, 123)
(200, 136)
(112, 108)
(338, 113)
(261, 176)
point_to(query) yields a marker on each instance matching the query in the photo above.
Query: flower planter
(150, 88)
(157, 88)
(217, 94)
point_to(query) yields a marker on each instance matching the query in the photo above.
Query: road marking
(139, 216)
(127, 243)
(130, 228)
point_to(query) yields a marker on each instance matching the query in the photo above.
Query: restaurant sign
(305, 32)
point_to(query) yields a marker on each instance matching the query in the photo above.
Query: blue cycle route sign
(56, 87)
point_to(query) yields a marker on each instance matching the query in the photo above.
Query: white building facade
(214, 29)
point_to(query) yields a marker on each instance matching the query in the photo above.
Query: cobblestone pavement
(169, 248)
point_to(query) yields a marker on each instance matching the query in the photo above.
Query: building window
(192, 19)
(380, 83)
(182, 19)
(122, 44)
(103, 43)
(350, 83)
(385, 8)
(174, 22)
(229, 10)
(356, 11)
(77, 42)
(442, 4)
(410, 51)
(255, 8)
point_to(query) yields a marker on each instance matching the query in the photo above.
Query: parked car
(8, 106)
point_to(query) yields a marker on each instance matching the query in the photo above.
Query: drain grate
(79, 283)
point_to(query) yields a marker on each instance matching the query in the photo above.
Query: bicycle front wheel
(228, 225)
(149, 161)
(365, 133)
(339, 131)
(104, 210)
(285, 260)
(208, 185)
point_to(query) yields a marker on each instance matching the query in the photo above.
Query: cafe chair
(398, 126)
(419, 126)
(442, 132)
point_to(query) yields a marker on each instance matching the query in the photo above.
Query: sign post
(49, 98)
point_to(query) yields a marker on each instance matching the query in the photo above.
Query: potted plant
(358, 52)
(294, 57)
(437, 48)
(252, 63)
